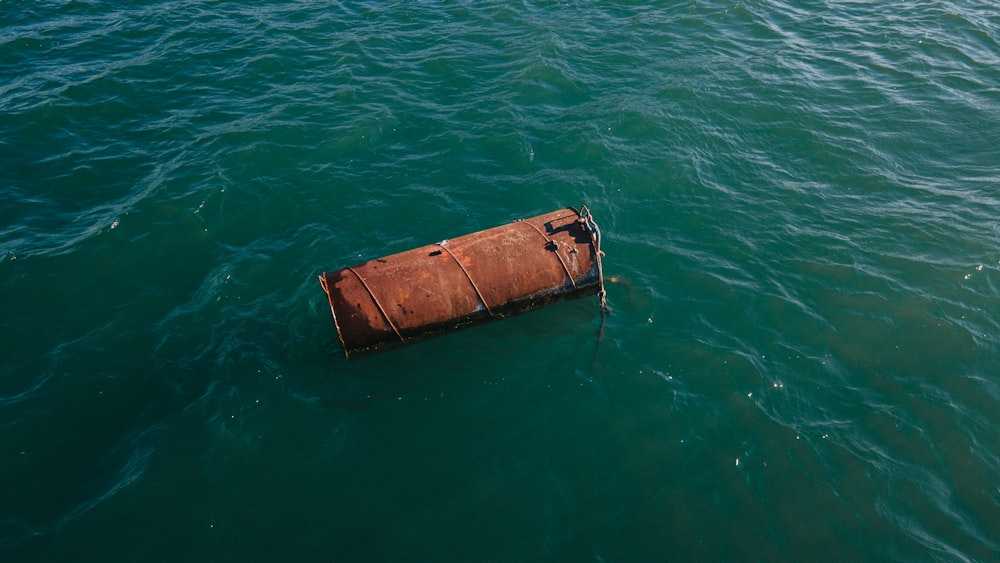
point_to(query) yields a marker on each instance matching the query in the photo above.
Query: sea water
(799, 205)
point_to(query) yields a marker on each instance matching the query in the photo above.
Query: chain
(587, 220)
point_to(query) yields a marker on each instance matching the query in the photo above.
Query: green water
(799, 207)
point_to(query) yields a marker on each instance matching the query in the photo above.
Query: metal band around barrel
(466, 272)
(556, 251)
(379, 305)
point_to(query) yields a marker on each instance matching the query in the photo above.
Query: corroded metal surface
(489, 274)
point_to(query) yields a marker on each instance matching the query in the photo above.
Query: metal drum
(454, 283)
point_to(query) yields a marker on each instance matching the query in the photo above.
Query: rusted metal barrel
(454, 283)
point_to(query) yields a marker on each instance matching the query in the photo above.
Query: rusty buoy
(490, 274)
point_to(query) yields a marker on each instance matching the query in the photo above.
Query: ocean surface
(800, 205)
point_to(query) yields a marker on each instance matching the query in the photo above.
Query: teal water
(799, 204)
